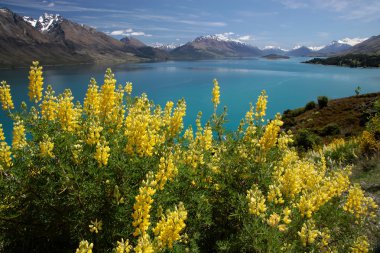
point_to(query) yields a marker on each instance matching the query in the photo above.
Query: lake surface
(289, 83)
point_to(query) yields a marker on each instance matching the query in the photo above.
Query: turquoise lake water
(289, 83)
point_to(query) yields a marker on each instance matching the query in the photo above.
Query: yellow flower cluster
(49, 105)
(142, 128)
(85, 247)
(46, 147)
(166, 171)
(361, 245)
(273, 219)
(19, 138)
(144, 244)
(308, 233)
(123, 246)
(5, 155)
(168, 229)
(93, 134)
(95, 226)
(174, 122)
(215, 94)
(358, 204)
(68, 115)
(261, 105)
(35, 82)
(5, 96)
(256, 201)
(128, 88)
(102, 153)
(142, 206)
(91, 104)
(368, 142)
(2, 137)
(269, 138)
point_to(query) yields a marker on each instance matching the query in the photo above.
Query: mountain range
(53, 40)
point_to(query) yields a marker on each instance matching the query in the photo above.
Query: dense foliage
(118, 174)
(350, 60)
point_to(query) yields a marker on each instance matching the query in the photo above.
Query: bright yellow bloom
(46, 147)
(5, 154)
(123, 246)
(142, 206)
(2, 137)
(68, 115)
(93, 134)
(91, 104)
(286, 213)
(168, 229)
(166, 171)
(256, 201)
(358, 204)
(128, 88)
(261, 105)
(19, 137)
(85, 247)
(273, 220)
(49, 105)
(144, 245)
(107, 97)
(102, 153)
(275, 195)
(308, 233)
(5, 96)
(361, 245)
(215, 94)
(35, 82)
(269, 138)
(95, 226)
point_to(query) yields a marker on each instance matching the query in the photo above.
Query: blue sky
(283, 23)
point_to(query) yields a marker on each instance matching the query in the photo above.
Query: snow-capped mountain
(273, 50)
(223, 37)
(165, 47)
(45, 23)
(352, 42)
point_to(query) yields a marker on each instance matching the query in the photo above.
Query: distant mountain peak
(352, 41)
(45, 23)
(315, 48)
(224, 37)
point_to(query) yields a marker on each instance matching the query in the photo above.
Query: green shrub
(330, 129)
(322, 101)
(306, 140)
(310, 105)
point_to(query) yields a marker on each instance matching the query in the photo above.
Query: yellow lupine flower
(19, 137)
(166, 171)
(95, 226)
(93, 134)
(269, 138)
(128, 88)
(273, 219)
(49, 105)
(308, 233)
(123, 246)
(85, 247)
(2, 137)
(144, 245)
(168, 229)
(5, 154)
(102, 153)
(142, 206)
(261, 105)
(68, 115)
(256, 201)
(358, 204)
(91, 104)
(361, 245)
(107, 96)
(46, 147)
(35, 82)
(5, 96)
(176, 121)
(215, 94)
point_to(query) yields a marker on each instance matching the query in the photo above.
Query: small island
(275, 57)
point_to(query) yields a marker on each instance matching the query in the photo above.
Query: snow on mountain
(226, 37)
(166, 47)
(316, 48)
(352, 42)
(45, 22)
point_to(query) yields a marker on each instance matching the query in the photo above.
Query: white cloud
(128, 32)
(366, 10)
(51, 5)
(245, 38)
